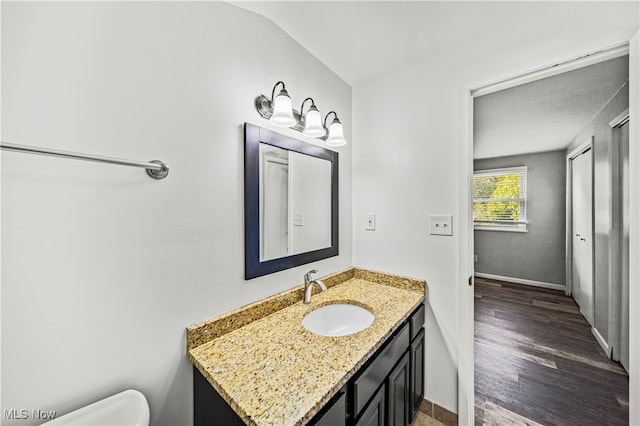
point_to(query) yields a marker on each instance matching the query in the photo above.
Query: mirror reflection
(295, 202)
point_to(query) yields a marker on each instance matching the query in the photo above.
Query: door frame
(634, 229)
(467, 91)
(615, 237)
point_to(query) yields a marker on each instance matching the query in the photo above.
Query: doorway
(466, 254)
(535, 355)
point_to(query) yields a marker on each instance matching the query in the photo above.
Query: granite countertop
(273, 371)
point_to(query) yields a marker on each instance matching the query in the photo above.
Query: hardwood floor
(536, 361)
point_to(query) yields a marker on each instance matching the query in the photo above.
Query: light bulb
(282, 111)
(336, 134)
(313, 123)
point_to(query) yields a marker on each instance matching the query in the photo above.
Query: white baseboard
(603, 343)
(521, 281)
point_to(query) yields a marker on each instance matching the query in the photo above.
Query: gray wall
(602, 133)
(539, 254)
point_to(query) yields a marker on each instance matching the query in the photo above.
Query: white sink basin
(338, 319)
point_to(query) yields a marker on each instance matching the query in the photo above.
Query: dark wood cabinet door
(374, 414)
(335, 414)
(398, 385)
(417, 373)
(209, 408)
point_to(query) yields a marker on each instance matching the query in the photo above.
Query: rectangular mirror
(291, 202)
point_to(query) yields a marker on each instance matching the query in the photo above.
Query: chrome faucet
(308, 285)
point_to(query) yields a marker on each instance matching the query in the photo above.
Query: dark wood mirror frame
(253, 136)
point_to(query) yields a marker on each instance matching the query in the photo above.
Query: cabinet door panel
(398, 393)
(336, 415)
(417, 373)
(209, 408)
(374, 415)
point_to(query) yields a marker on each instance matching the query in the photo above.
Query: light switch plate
(298, 219)
(370, 224)
(440, 224)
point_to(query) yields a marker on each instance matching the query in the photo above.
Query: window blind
(500, 197)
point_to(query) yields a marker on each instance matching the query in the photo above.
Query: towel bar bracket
(159, 174)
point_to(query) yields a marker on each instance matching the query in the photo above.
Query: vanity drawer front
(371, 378)
(417, 322)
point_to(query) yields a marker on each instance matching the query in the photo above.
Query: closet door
(582, 225)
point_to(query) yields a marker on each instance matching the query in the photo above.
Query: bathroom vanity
(259, 365)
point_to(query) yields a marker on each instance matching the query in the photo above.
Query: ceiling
(359, 40)
(547, 114)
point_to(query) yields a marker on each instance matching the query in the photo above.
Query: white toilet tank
(128, 408)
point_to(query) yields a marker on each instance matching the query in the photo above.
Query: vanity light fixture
(282, 109)
(279, 112)
(336, 134)
(312, 121)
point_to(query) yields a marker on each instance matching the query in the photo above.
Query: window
(500, 199)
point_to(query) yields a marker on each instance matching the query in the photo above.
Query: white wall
(407, 128)
(103, 267)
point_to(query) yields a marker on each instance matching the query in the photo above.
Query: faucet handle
(308, 275)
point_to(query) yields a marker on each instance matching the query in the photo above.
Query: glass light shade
(336, 135)
(313, 123)
(282, 111)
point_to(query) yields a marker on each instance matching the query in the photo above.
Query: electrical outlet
(440, 224)
(475, 257)
(298, 219)
(370, 222)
